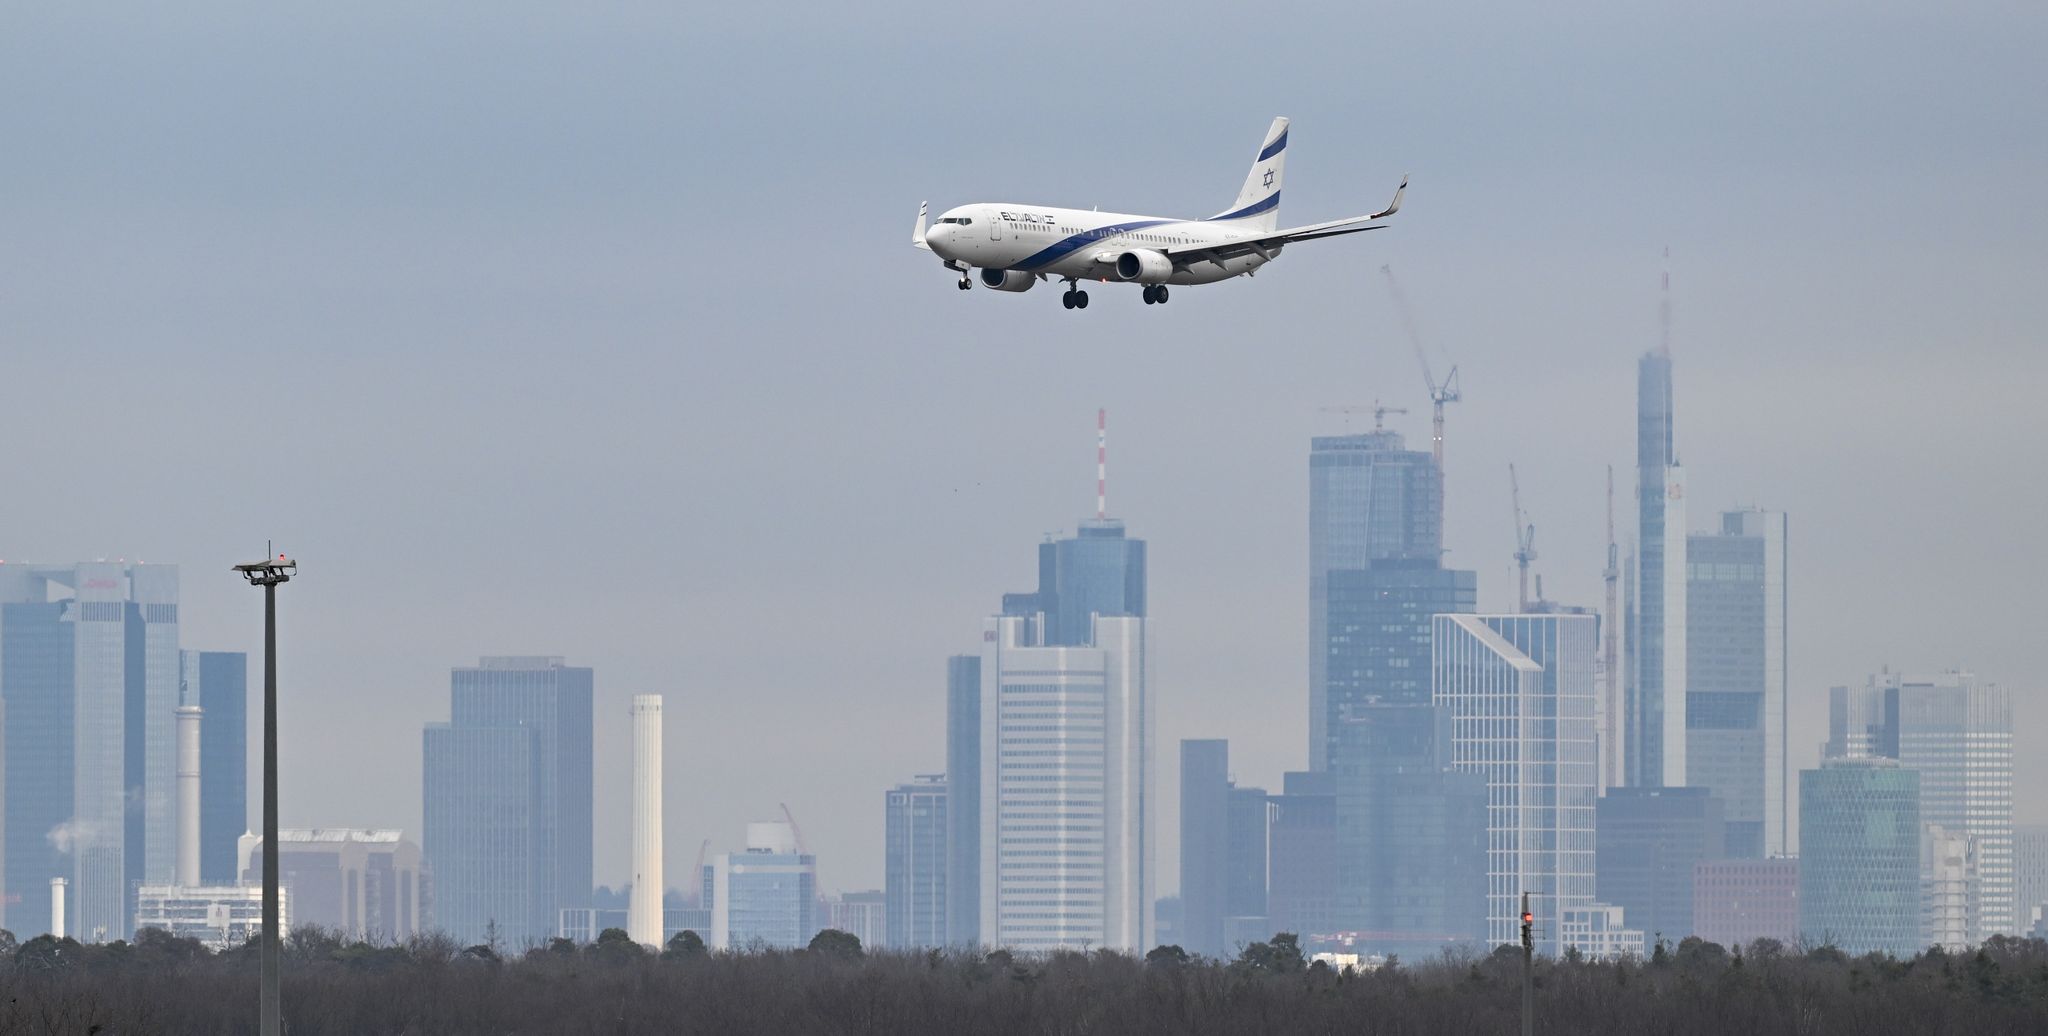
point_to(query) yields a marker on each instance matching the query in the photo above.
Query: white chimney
(57, 907)
(188, 796)
(643, 914)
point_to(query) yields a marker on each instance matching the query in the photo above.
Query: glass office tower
(915, 862)
(1654, 701)
(1859, 856)
(1369, 499)
(1735, 710)
(508, 797)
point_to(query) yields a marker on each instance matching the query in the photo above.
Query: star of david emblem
(1269, 178)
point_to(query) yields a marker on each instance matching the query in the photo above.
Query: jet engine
(1144, 266)
(1008, 280)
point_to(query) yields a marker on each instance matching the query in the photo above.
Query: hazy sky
(596, 332)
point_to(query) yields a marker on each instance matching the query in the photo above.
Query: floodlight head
(269, 571)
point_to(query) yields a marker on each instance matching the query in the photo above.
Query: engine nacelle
(1144, 266)
(1008, 280)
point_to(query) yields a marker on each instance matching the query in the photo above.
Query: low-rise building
(1599, 932)
(221, 916)
(365, 884)
(1736, 902)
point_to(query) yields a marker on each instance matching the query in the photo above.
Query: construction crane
(697, 875)
(794, 831)
(1525, 538)
(1612, 574)
(1440, 392)
(1379, 413)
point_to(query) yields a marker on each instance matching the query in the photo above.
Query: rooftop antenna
(1101, 464)
(1664, 307)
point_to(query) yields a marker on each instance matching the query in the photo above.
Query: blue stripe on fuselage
(1267, 204)
(1273, 148)
(1066, 246)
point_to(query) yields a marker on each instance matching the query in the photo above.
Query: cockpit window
(961, 220)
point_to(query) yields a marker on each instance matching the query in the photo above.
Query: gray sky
(597, 333)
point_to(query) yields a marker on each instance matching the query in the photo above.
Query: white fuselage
(1079, 243)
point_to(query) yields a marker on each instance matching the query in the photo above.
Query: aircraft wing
(1267, 244)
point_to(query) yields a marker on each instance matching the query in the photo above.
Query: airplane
(1016, 246)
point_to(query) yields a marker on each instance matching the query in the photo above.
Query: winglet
(917, 232)
(1395, 205)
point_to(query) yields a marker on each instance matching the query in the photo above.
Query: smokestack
(643, 915)
(57, 907)
(188, 796)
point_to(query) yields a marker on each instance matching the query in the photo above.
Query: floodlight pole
(267, 574)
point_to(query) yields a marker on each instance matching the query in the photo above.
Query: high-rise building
(218, 682)
(507, 785)
(1949, 894)
(1650, 841)
(1301, 870)
(916, 824)
(1410, 832)
(1370, 499)
(1519, 692)
(1066, 764)
(1097, 571)
(2030, 872)
(1377, 621)
(1859, 856)
(89, 670)
(1736, 902)
(766, 896)
(365, 884)
(1223, 831)
(1654, 699)
(863, 915)
(1956, 732)
(1735, 677)
(963, 800)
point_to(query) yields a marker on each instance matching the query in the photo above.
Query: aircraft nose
(938, 235)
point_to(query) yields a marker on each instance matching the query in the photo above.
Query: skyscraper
(1654, 701)
(507, 785)
(916, 824)
(766, 896)
(1650, 842)
(89, 671)
(1223, 831)
(963, 800)
(1736, 671)
(1066, 764)
(1859, 856)
(218, 682)
(1955, 731)
(1301, 868)
(1410, 833)
(1097, 571)
(1519, 693)
(1369, 499)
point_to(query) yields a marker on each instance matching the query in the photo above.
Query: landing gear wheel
(1080, 299)
(965, 284)
(1149, 291)
(1159, 294)
(1067, 300)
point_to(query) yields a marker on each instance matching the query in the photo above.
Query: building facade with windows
(89, 677)
(1370, 499)
(1859, 856)
(1736, 902)
(507, 790)
(1654, 697)
(766, 896)
(916, 825)
(1519, 693)
(1736, 670)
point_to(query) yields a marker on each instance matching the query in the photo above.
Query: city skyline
(467, 322)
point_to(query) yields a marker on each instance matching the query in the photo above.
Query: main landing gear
(1155, 294)
(1075, 298)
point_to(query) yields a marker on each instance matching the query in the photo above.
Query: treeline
(160, 984)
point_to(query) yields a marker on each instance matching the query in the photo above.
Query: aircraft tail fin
(1258, 203)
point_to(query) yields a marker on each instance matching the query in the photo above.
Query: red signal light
(1528, 918)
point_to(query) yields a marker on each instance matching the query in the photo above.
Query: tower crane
(795, 832)
(1379, 413)
(1525, 538)
(1440, 392)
